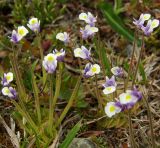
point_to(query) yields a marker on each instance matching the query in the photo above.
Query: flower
(111, 109)
(59, 54)
(19, 34)
(82, 52)
(88, 31)
(9, 91)
(63, 37)
(22, 31)
(88, 18)
(15, 37)
(117, 71)
(148, 29)
(110, 85)
(7, 78)
(91, 70)
(50, 63)
(34, 24)
(127, 100)
(143, 17)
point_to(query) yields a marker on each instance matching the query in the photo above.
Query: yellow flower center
(8, 77)
(21, 32)
(112, 109)
(50, 58)
(7, 91)
(33, 21)
(109, 88)
(94, 69)
(128, 97)
(154, 24)
(84, 16)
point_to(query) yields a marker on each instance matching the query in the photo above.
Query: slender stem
(125, 87)
(150, 121)
(131, 131)
(42, 56)
(35, 91)
(132, 57)
(139, 59)
(73, 96)
(98, 94)
(51, 104)
(58, 85)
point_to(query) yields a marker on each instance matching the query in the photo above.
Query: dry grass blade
(12, 135)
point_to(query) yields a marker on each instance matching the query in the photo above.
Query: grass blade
(116, 22)
(72, 133)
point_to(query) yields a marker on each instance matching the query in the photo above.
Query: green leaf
(116, 22)
(72, 133)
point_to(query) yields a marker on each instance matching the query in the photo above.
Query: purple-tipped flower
(117, 71)
(128, 99)
(64, 37)
(50, 63)
(59, 54)
(9, 91)
(15, 37)
(148, 29)
(143, 17)
(90, 70)
(34, 24)
(7, 78)
(88, 31)
(88, 18)
(82, 52)
(110, 85)
(19, 34)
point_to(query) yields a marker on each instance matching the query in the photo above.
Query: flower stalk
(139, 59)
(51, 105)
(58, 85)
(42, 57)
(150, 120)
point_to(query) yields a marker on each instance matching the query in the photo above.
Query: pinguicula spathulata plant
(53, 64)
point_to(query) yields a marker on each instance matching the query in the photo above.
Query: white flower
(143, 17)
(88, 31)
(117, 71)
(88, 18)
(22, 31)
(91, 70)
(63, 37)
(127, 98)
(7, 78)
(111, 109)
(34, 24)
(50, 63)
(109, 90)
(82, 52)
(9, 91)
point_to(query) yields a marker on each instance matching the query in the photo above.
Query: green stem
(42, 57)
(150, 121)
(65, 111)
(58, 85)
(139, 59)
(131, 131)
(37, 104)
(132, 57)
(19, 81)
(98, 94)
(51, 104)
